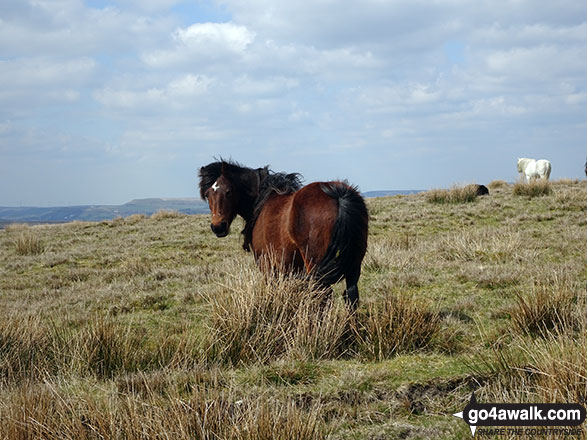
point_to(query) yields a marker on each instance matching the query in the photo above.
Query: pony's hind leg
(351, 294)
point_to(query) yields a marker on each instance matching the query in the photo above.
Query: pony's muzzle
(220, 229)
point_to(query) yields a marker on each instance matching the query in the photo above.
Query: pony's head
(229, 189)
(522, 164)
(223, 205)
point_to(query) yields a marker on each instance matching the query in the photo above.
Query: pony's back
(543, 168)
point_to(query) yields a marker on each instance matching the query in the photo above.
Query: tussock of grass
(17, 227)
(164, 214)
(399, 324)
(134, 219)
(546, 307)
(25, 349)
(548, 369)
(256, 319)
(544, 358)
(28, 243)
(437, 196)
(559, 366)
(457, 194)
(259, 319)
(495, 184)
(534, 188)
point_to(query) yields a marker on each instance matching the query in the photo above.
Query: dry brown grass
(396, 253)
(28, 243)
(543, 358)
(488, 245)
(257, 319)
(17, 227)
(457, 194)
(400, 259)
(49, 411)
(565, 182)
(398, 324)
(163, 214)
(495, 184)
(534, 188)
(548, 369)
(547, 306)
(134, 219)
(31, 349)
(571, 196)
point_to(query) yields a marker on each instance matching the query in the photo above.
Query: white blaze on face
(215, 186)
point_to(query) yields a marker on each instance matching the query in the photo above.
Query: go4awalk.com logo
(537, 418)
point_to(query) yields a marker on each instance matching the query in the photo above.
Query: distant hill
(100, 212)
(63, 214)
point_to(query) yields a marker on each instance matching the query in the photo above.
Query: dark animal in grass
(482, 190)
(319, 229)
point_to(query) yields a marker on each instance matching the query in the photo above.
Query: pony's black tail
(348, 241)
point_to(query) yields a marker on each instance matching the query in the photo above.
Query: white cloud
(211, 36)
(179, 92)
(27, 83)
(211, 41)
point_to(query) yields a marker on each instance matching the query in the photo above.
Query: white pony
(534, 169)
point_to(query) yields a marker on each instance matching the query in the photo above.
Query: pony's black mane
(278, 183)
(273, 183)
(258, 185)
(210, 173)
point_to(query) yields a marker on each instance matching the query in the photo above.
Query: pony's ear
(263, 172)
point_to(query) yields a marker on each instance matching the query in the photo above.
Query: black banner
(522, 414)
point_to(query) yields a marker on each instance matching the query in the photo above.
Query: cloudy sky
(106, 101)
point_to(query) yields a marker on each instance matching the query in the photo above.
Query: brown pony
(319, 229)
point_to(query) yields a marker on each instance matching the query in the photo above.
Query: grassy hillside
(151, 327)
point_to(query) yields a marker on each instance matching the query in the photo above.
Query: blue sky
(107, 101)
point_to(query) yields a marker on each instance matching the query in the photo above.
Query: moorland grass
(27, 243)
(151, 327)
(550, 305)
(496, 184)
(457, 194)
(534, 188)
